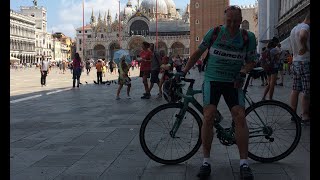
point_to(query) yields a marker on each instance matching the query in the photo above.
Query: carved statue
(35, 3)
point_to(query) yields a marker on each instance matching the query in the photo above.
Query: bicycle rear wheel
(159, 145)
(278, 137)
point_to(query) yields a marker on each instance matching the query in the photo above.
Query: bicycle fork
(178, 120)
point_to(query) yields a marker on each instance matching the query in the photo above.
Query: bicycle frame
(189, 98)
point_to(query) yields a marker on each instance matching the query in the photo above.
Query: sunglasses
(232, 7)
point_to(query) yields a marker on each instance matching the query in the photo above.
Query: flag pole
(119, 27)
(83, 29)
(156, 24)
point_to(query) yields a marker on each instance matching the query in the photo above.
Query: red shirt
(145, 65)
(76, 63)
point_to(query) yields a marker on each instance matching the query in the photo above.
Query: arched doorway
(99, 52)
(177, 49)
(139, 27)
(135, 46)
(113, 47)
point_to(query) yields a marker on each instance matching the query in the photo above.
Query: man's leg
(45, 77)
(98, 77)
(305, 103)
(241, 130)
(272, 85)
(128, 90)
(207, 132)
(266, 90)
(41, 79)
(146, 85)
(294, 100)
(234, 98)
(118, 91)
(305, 100)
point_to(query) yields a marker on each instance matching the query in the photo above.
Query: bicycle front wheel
(156, 137)
(274, 130)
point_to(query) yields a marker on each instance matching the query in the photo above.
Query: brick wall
(208, 13)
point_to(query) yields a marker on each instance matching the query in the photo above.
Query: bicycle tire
(147, 120)
(297, 134)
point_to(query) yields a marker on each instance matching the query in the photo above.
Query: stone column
(262, 23)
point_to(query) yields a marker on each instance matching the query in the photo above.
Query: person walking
(99, 66)
(44, 70)
(124, 78)
(76, 69)
(300, 45)
(272, 72)
(231, 56)
(88, 67)
(145, 68)
(155, 69)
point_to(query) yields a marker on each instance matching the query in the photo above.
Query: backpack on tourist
(265, 61)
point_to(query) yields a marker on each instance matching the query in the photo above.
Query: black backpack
(215, 35)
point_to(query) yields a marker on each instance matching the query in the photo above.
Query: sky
(66, 15)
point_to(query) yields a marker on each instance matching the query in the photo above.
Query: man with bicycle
(224, 75)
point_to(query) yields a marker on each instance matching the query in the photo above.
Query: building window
(79, 49)
(79, 41)
(89, 36)
(101, 35)
(85, 31)
(197, 5)
(79, 31)
(197, 38)
(197, 21)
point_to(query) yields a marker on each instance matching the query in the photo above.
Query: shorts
(212, 91)
(147, 73)
(124, 81)
(154, 76)
(301, 77)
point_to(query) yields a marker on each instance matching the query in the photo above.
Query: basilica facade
(137, 24)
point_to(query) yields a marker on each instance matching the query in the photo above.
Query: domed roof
(171, 6)
(151, 5)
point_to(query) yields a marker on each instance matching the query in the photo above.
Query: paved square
(62, 133)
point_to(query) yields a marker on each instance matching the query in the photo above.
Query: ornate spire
(99, 17)
(92, 19)
(116, 18)
(108, 17)
(188, 9)
(105, 17)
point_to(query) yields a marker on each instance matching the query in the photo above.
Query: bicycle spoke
(280, 132)
(165, 146)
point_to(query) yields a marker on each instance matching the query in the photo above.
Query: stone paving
(84, 133)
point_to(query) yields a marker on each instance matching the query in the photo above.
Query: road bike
(171, 133)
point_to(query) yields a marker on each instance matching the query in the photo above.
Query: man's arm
(193, 59)
(303, 35)
(251, 55)
(248, 67)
